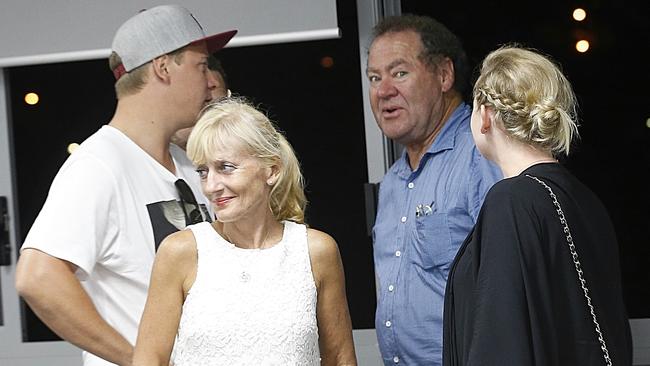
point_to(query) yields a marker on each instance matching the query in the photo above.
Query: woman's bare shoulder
(321, 243)
(179, 246)
(323, 252)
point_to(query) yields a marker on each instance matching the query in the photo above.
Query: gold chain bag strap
(578, 266)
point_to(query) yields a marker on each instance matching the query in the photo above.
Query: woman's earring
(270, 182)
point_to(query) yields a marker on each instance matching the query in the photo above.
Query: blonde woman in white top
(256, 286)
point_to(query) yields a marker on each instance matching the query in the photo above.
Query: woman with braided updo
(537, 281)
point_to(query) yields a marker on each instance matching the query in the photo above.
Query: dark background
(611, 82)
(321, 111)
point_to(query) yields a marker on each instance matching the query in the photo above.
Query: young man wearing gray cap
(85, 265)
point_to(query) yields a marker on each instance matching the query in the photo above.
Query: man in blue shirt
(430, 198)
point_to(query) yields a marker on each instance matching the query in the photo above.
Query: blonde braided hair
(532, 100)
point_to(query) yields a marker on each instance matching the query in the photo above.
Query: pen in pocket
(424, 210)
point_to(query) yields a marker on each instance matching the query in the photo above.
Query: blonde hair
(530, 96)
(133, 81)
(234, 118)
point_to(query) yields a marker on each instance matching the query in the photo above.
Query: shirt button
(391, 288)
(388, 323)
(403, 219)
(411, 185)
(396, 359)
(398, 253)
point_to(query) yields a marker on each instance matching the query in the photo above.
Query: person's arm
(334, 324)
(507, 276)
(50, 287)
(174, 271)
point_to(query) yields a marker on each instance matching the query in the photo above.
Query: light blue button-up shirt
(423, 216)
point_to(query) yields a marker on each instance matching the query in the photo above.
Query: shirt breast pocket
(433, 247)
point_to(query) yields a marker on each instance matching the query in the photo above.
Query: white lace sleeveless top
(249, 306)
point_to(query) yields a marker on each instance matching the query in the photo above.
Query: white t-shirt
(109, 207)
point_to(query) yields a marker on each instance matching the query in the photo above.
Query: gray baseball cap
(158, 31)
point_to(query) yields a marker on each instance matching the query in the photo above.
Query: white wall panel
(38, 31)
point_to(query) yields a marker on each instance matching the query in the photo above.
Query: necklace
(547, 160)
(520, 166)
(245, 275)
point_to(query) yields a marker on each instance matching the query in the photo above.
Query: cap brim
(218, 41)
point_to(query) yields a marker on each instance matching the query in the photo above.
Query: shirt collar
(445, 140)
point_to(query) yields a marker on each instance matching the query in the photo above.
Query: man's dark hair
(215, 65)
(437, 42)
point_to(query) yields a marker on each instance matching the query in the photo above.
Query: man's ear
(486, 118)
(160, 67)
(447, 74)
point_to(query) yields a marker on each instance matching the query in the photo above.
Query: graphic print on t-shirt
(168, 217)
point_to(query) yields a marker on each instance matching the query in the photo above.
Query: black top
(513, 295)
